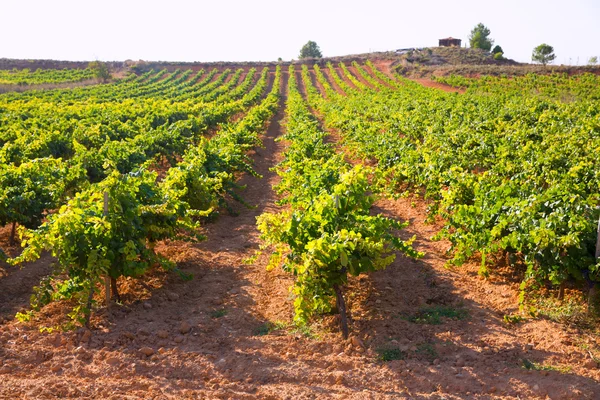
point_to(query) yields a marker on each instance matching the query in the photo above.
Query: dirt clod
(163, 334)
(113, 361)
(147, 351)
(172, 296)
(185, 327)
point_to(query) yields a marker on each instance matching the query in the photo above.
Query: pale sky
(263, 30)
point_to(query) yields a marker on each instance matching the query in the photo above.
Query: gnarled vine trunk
(341, 305)
(13, 230)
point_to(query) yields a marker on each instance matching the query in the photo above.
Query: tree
(479, 38)
(310, 50)
(497, 49)
(543, 54)
(593, 60)
(100, 70)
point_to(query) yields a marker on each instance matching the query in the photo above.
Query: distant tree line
(480, 39)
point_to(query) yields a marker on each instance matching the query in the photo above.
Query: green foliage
(427, 350)
(572, 310)
(30, 189)
(512, 319)
(219, 313)
(498, 53)
(89, 244)
(388, 353)
(593, 60)
(434, 315)
(479, 38)
(534, 366)
(120, 141)
(328, 238)
(100, 70)
(509, 165)
(328, 232)
(42, 76)
(543, 54)
(310, 50)
(269, 327)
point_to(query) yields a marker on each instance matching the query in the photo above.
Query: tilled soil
(227, 333)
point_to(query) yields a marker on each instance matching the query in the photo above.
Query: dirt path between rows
(227, 333)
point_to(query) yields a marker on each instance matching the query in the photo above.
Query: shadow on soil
(441, 340)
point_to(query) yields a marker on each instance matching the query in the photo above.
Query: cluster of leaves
(327, 232)
(91, 242)
(509, 173)
(30, 189)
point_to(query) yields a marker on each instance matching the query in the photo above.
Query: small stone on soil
(147, 351)
(129, 335)
(185, 327)
(162, 334)
(356, 342)
(172, 296)
(112, 361)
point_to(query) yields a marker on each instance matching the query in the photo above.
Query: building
(450, 42)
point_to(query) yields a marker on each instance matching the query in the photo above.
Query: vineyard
(293, 232)
(27, 77)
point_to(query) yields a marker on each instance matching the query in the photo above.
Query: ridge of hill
(412, 62)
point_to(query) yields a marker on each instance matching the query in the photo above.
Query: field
(300, 231)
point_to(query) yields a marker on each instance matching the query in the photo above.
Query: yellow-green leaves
(327, 232)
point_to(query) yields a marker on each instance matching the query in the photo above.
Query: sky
(264, 30)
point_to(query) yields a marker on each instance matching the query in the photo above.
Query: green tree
(100, 70)
(479, 38)
(543, 54)
(310, 50)
(593, 60)
(497, 49)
